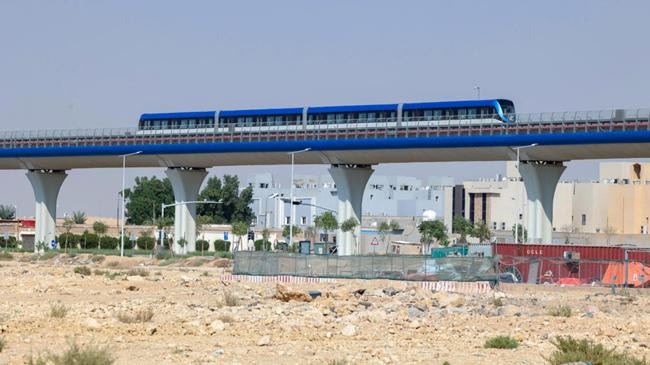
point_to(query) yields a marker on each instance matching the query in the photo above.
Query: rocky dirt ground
(199, 319)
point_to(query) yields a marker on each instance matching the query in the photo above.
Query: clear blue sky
(78, 64)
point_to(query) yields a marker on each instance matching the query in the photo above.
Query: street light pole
(266, 210)
(163, 206)
(291, 196)
(478, 91)
(124, 199)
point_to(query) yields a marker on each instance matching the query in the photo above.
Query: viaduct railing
(537, 123)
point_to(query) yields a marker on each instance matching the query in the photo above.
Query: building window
(584, 219)
(287, 220)
(503, 226)
(437, 197)
(303, 220)
(521, 216)
(494, 226)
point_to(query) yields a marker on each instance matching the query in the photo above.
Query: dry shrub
(571, 350)
(83, 270)
(226, 318)
(112, 264)
(230, 299)
(137, 272)
(58, 310)
(140, 316)
(97, 258)
(561, 311)
(75, 355)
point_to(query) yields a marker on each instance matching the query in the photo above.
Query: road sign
(6, 236)
(374, 242)
(225, 236)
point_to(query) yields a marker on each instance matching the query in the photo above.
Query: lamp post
(478, 91)
(522, 192)
(163, 206)
(123, 199)
(293, 154)
(266, 209)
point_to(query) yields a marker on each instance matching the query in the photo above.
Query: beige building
(617, 203)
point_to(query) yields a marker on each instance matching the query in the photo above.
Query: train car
(407, 115)
(554, 263)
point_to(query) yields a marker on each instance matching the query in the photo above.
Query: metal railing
(534, 123)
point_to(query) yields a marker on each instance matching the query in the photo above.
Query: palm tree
(7, 212)
(79, 217)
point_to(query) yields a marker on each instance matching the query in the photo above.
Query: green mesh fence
(365, 267)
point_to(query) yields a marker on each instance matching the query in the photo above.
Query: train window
(428, 114)
(471, 113)
(330, 118)
(371, 117)
(163, 124)
(340, 117)
(462, 113)
(437, 114)
(362, 117)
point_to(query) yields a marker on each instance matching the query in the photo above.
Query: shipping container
(553, 263)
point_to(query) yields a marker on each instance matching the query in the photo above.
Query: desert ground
(147, 311)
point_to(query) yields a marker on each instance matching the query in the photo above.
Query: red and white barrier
(463, 287)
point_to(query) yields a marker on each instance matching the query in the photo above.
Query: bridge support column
(46, 186)
(540, 179)
(350, 183)
(185, 183)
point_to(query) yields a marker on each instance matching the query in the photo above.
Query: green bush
(12, 242)
(128, 244)
(202, 245)
(146, 242)
(89, 240)
(501, 342)
(261, 245)
(570, 350)
(221, 245)
(110, 243)
(73, 240)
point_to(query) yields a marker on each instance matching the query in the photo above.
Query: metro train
(331, 117)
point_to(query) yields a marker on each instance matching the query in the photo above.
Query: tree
(386, 228)
(522, 233)
(100, 229)
(463, 227)
(67, 226)
(79, 217)
(264, 244)
(240, 229)
(234, 206)
(296, 231)
(350, 225)
(146, 197)
(481, 231)
(7, 212)
(326, 222)
(431, 231)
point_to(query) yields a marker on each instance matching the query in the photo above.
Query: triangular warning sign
(374, 242)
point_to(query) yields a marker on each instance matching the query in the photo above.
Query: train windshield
(508, 108)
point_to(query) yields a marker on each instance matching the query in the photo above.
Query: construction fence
(397, 267)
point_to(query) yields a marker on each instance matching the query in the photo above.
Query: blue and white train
(332, 117)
